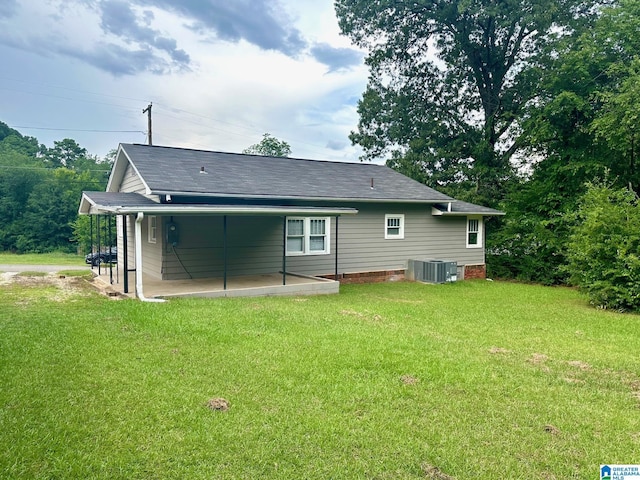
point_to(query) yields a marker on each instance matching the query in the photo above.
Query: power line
(248, 131)
(77, 129)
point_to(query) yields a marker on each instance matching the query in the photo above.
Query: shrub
(603, 252)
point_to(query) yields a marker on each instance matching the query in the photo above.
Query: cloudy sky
(219, 73)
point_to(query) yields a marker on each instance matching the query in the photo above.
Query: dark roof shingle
(177, 171)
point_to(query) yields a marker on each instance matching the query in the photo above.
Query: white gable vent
(432, 271)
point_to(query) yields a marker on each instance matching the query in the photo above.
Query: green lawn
(56, 258)
(392, 381)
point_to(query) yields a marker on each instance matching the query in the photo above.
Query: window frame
(307, 235)
(479, 232)
(400, 227)
(152, 228)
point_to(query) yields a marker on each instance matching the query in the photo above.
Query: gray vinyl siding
(254, 247)
(255, 244)
(151, 252)
(363, 248)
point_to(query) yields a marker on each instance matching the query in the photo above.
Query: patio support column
(110, 217)
(224, 243)
(284, 251)
(336, 247)
(126, 253)
(99, 244)
(91, 235)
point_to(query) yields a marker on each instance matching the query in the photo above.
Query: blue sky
(219, 73)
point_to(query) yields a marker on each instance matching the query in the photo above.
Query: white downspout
(138, 234)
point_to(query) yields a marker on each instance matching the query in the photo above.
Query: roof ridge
(253, 155)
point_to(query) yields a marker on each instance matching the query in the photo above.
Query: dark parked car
(108, 256)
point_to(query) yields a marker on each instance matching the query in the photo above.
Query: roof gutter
(173, 209)
(449, 213)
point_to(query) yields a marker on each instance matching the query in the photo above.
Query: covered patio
(238, 286)
(228, 283)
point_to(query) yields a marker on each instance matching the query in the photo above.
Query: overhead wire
(253, 132)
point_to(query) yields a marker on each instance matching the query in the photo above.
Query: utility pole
(148, 112)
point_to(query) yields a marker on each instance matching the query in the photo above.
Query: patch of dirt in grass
(552, 430)
(498, 350)
(573, 380)
(65, 286)
(409, 379)
(635, 389)
(538, 358)
(432, 472)
(7, 277)
(63, 289)
(581, 365)
(219, 404)
(365, 316)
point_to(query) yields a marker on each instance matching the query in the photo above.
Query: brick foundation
(369, 277)
(472, 272)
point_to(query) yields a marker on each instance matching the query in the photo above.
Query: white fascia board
(440, 213)
(166, 209)
(85, 205)
(119, 169)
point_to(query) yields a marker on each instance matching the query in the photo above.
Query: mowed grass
(55, 258)
(391, 381)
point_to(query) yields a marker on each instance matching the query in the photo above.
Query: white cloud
(210, 89)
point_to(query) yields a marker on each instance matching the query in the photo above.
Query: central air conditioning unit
(432, 271)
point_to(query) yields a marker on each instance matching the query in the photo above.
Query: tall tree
(65, 153)
(269, 146)
(582, 128)
(450, 80)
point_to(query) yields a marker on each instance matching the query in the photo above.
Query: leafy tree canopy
(450, 80)
(65, 153)
(40, 189)
(269, 146)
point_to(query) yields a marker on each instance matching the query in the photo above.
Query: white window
(152, 228)
(394, 226)
(474, 232)
(308, 235)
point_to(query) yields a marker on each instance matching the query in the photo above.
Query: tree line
(529, 106)
(40, 189)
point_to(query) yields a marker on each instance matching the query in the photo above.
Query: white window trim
(307, 237)
(480, 232)
(152, 227)
(389, 236)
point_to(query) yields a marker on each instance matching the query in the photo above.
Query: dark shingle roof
(465, 208)
(118, 199)
(177, 171)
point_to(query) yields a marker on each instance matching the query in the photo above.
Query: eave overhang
(297, 198)
(440, 213)
(89, 206)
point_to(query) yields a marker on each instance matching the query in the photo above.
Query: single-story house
(186, 216)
